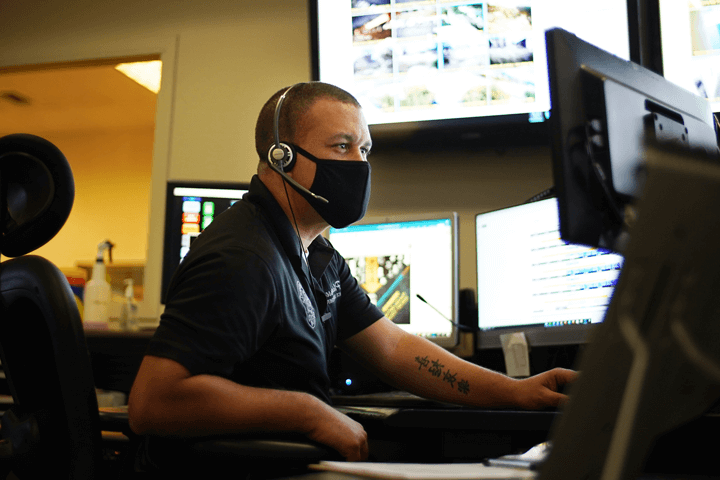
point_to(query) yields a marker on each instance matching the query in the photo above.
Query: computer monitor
(471, 72)
(653, 364)
(401, 261)
(605, 110)
(532, 281)
(190, 207)
(690, 44)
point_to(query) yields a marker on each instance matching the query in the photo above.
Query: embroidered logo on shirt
(334, 292)
(309, 310)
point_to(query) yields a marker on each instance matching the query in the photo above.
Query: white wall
(221, 61)
(466, 182)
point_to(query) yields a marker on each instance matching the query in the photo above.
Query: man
(261, 299)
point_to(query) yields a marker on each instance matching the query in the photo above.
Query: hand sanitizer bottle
(128, 314)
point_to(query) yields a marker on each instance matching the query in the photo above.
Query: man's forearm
(207, 405)
(422, 367)
(414, 364)
(167, 401)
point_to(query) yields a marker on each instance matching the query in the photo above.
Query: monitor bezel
(453, 339)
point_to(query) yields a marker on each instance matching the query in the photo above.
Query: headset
(281, 156)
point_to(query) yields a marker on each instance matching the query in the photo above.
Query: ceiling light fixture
(147, 74)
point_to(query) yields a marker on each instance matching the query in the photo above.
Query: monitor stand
(654, 364)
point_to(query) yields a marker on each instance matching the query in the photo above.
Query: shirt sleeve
(220, 309)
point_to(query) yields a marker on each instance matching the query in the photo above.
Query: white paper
(424, 471)
(515, 349)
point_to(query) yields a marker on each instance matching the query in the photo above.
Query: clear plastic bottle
(97, 291)
(128, 313)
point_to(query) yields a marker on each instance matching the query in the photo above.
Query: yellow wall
(221, 61)
(112, 189)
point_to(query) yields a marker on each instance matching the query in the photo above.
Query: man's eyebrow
(348, 137)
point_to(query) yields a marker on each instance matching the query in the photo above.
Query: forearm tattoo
(436, 369)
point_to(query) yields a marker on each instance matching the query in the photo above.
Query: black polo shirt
(243, 304)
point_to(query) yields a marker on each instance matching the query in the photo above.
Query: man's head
(297, 103)
(326, 128)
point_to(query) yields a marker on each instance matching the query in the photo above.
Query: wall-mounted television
(408, 266)
(690, 40)
(190, 207)
(467, 71)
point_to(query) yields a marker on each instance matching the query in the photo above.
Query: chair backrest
(53, 428)
(36, 194)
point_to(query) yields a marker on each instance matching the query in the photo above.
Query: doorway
(104, 123)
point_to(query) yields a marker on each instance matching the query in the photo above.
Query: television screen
(690, 33)
(190, 208)
(401, 261)
(530, 280)
(415, 65)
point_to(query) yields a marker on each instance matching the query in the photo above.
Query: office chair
(53, 428)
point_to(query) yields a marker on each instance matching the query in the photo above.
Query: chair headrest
(40, 192)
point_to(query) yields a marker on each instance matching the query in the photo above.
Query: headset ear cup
(282, 156)
(291, 157)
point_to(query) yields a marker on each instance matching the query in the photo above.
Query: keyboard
(391, 399)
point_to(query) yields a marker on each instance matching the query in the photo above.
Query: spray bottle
(128, 314)
(97, 290)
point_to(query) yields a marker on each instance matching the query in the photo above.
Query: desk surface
(403, 410)
(395, 434)
(416, 435)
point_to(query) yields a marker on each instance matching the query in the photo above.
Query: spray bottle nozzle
(102, 246)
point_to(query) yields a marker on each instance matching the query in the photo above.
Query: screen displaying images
(396, 259)
(438, 59)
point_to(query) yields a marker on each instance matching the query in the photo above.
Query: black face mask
(345, 185)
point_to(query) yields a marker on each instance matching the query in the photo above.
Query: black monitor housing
(653, 364)
(604, 110)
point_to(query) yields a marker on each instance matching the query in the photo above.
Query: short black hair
(297, 102)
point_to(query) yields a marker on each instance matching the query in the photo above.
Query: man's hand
(541, 391)
(340, 432)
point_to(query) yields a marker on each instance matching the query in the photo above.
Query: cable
(297, 229)
(547, 193)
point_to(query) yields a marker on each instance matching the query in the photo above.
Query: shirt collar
(320, 255)
(320, 250)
